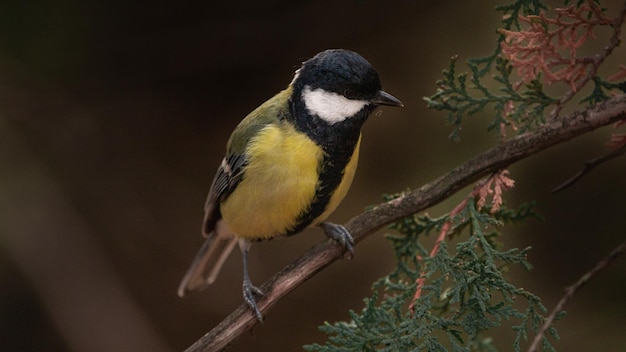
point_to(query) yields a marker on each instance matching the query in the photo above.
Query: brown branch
(571, 290)
(590, 165)
(365, 224)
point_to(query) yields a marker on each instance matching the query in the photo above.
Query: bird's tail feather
(207, 263)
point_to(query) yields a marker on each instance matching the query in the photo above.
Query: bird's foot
(341, 235)
(249, 293)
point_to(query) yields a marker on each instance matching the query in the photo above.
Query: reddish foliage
(549, 45)
(617, 140)
(500, 182)
(619, 76)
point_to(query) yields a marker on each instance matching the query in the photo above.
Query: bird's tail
(207, 263)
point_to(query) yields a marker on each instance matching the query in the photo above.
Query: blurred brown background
(113, 120)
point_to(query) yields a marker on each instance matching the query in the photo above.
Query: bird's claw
(249, 293)
(341, 235)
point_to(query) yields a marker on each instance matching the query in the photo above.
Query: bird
(288, 165)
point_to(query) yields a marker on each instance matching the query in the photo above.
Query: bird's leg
(341, 235)
(249, 290)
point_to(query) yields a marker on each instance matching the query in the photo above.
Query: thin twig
(571, 290)
(365, 224)
(590, 165)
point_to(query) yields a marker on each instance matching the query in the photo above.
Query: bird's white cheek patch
(331, 107)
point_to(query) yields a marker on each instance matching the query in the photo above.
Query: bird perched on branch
(289, 164)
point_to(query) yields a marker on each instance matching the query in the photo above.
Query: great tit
(289, 164)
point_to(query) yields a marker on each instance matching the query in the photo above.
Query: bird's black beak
(384, 98)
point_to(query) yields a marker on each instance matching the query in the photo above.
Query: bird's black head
(339, 71)
(333, 93)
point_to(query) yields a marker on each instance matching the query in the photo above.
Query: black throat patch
(338, 142)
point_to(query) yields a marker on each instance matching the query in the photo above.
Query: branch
(368, 222)
(570, 291)
(590, 165)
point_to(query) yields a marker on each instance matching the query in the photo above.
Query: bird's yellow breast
(279, 183)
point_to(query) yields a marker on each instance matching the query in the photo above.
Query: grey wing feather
(225, 181)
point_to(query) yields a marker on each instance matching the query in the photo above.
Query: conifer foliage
(447, 296)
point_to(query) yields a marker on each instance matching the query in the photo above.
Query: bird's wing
(228, 175)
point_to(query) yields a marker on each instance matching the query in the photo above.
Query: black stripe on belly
(331, 174)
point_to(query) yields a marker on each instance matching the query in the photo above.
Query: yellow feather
(278, 184)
